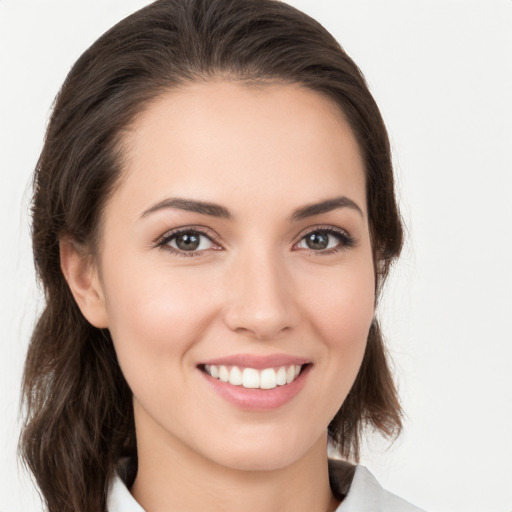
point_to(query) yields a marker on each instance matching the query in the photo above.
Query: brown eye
(326, 240)
(317, 241)
(188, 241)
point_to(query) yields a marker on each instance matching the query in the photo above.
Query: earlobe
(81, 274)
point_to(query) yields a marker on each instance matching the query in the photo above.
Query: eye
(326, 240)
(187, 242)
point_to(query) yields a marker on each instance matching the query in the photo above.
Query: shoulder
(365, 494)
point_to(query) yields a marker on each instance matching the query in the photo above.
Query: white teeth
(235, 376)
(281, 376)
(290, 374)
(223, 374)
(250, 378)
(268, 379)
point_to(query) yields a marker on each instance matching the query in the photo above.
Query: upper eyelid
(171, 233)
(323, 227)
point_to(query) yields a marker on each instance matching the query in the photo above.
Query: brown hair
(79, 419)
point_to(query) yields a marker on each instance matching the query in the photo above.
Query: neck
(174, 477)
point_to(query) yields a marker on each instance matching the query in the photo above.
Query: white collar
(119, 498)
(367, 495)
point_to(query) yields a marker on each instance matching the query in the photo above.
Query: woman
(213, 219)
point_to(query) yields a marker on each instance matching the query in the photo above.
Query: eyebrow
(216, 210)
(325, 206)
(190, 205)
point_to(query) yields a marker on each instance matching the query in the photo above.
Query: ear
(81, 274)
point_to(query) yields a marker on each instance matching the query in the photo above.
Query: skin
(261, 153)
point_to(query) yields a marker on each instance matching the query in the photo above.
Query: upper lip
(258, 362)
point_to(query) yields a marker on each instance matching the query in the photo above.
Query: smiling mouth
(251, 378)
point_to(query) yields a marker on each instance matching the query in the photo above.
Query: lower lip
(258, 399)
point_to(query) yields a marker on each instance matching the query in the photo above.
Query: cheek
(154, 319)
(342, 306)
(341, 316)
(346, 331)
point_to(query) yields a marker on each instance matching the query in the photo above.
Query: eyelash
(164, 241)
(344, 239)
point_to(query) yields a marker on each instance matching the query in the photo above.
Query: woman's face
(237, 248)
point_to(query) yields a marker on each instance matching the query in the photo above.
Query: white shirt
(365, 495)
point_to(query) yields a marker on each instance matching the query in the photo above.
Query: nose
(260, 298)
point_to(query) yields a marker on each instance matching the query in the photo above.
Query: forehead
(245, 145)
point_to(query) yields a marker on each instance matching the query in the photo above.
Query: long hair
(79, 424)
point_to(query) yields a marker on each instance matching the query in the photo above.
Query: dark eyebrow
(190, 205)
(215, 210)
(325, 206)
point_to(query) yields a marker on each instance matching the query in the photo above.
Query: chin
(271, 454)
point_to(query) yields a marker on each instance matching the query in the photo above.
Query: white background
(441, 71)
